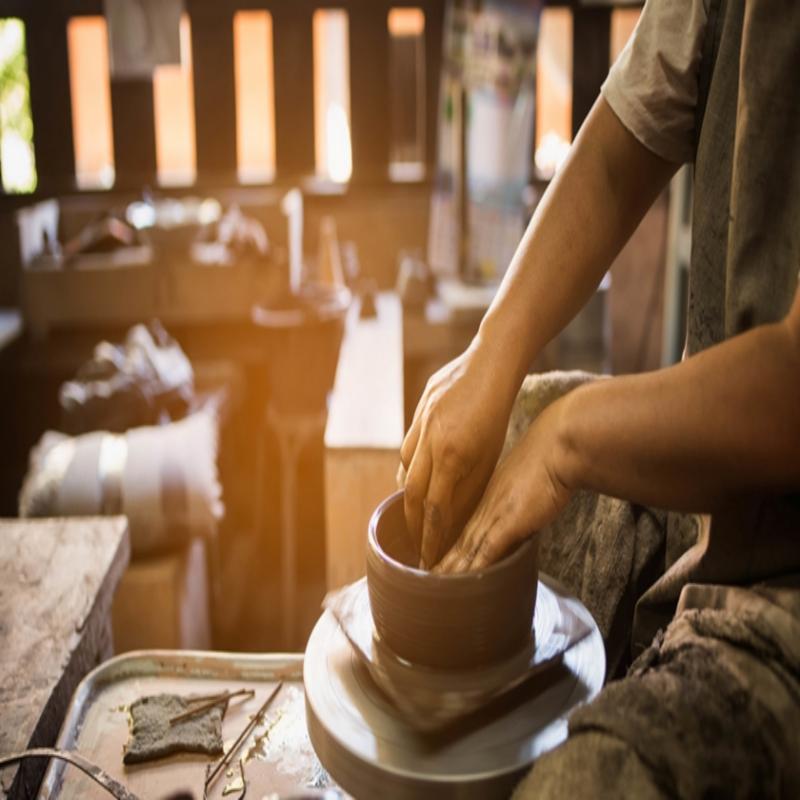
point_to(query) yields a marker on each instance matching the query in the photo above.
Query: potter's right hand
(453, 445)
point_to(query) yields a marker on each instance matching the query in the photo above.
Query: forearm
(586, 215)
(688, 437)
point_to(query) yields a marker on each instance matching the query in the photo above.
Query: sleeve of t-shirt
(652, 86)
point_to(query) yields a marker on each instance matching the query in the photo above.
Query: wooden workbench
(363, 434)
(57, 580)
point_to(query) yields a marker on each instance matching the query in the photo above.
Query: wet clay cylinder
(446, 621)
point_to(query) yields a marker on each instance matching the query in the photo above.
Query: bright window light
(553, 89)
(623, 21)
(90, 93)
(255, 96)
(173, 100)
(333, 150)
(407, 93)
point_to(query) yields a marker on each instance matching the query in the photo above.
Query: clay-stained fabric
(744, 263)
(606, 551)
(745, 232)
(710, 709)
(711, 706)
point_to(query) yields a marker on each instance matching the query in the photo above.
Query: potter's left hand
(526, 492)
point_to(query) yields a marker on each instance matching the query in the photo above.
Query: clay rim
(415, 573)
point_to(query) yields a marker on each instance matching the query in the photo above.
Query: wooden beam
(133, 121)
(84, 7)
(214, 91)
(294, 91)
(434, 37)
(591, 53)
(51, 108)
(369, 91)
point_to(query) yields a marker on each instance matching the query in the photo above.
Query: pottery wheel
(369, 752)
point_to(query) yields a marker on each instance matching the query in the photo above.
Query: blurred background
(238, 236)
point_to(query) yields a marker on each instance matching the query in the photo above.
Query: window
(173, 99)
(255, 96)
(90, 93)
(407, 93)
(17, 162)
(623, 21)
(553, 89)
(333, 151)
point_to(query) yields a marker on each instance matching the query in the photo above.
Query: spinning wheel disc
(369, 752)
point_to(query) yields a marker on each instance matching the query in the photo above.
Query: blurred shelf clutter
(139, 441)
(225, 394)
(181, 260)
(353, 182)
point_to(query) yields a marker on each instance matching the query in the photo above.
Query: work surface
(57, 580)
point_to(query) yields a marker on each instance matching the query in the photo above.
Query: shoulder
(653, 85)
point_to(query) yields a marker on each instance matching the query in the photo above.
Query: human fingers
(447, 564)
(458, 556)
(473, 552)
(487, 534)
(409, 446)
(437, 514)
(417, 479)
(455, 560)
(490, 548)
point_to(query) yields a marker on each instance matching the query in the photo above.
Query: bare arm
(686, 438)
(726, 420)
(586, 215)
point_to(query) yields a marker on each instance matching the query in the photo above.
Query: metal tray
(283, 762)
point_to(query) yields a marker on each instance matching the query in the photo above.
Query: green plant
(16, 124)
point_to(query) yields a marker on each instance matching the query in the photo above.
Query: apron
(744, 272)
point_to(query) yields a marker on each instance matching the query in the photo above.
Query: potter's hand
(526, 492)
(453, 445)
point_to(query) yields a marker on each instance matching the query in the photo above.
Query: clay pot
(446, 621)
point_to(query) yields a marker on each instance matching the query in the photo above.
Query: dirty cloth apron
(744, 266)
(711, 705)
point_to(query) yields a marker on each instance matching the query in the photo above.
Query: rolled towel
(164, 479)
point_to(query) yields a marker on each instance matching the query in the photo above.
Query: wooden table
(363, 434)
(57, 580)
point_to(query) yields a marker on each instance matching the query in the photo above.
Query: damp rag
(710, 709)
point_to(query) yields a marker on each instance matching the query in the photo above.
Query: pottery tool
(367, 748)
(209, 701)
(248, 729)
(99, 776)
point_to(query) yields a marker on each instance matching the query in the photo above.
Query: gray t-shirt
(653, 85)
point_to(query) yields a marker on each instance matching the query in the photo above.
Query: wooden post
(294, 91)
(434, 41)
(591, 49)
(214, 91)
(369, 88)
(51, 108)
(133, 121)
